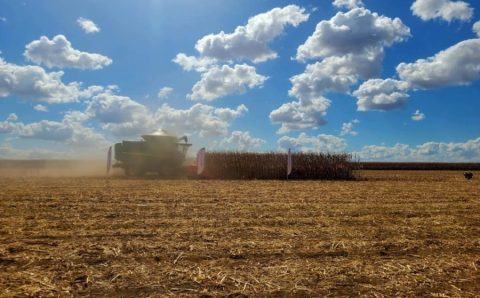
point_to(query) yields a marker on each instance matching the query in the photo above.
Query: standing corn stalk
(271, 165)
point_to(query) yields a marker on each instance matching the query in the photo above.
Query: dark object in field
(468, 175)
(158, 152)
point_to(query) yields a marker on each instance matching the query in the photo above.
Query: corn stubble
(393, 234)
(273, 165)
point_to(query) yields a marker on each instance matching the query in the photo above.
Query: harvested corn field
(390, 233)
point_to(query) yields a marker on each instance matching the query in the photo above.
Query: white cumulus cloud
(123, 116)
(476, 28)
(88, 25)
(205, 120)
(350, 4)
(120, 115)
(348, 128)
(358, 31)
(457, 65)
(298, 115)
(467, 151)
(241, 141)
(250, 42)
(246, 43)
(418, 116)
(69, 131)
(333, 74)
(190, 63)
(164, 92)
(12, 117)
(222, 81)
(41, 108)
(33, 82)
(443, 9)
(58, 52)
(350, 47)
(378, 94)
(111, 108)
(320, 143)
(46, 130)
(9, 125)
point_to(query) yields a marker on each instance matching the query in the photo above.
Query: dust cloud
(52, 168)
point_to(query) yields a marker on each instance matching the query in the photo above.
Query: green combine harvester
(158, 153)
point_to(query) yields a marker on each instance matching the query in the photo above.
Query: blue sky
(385, 80)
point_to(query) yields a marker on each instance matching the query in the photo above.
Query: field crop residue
(389, 234)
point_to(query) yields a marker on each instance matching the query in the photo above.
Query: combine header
(158, 152)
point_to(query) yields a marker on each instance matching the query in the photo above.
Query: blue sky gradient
(143, 37)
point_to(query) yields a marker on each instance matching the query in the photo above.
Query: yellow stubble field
(391, 233)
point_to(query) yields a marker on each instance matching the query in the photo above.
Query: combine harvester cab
(159, 153)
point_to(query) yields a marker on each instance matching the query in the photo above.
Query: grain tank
(158, 152)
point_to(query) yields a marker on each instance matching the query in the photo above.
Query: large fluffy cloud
(221, 81)
(306, 143)
(58, 52)
(46, 130)
(351, 48)
(70, 131)
(246, 43)
(430, 151)
(123, 117)
(358, 31)
(333, 74)
(33, 82)
(190, 63)
(350, 4)
(9, 125)
(444, 9)
(241, 141)
(457, 65)
(378, 94)
(111, 108)
(476, 28)
(88, 25)
(298, 115)
(120, 115)
(205, 120)
(251, 41)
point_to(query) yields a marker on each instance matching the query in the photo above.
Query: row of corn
(273, 165)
